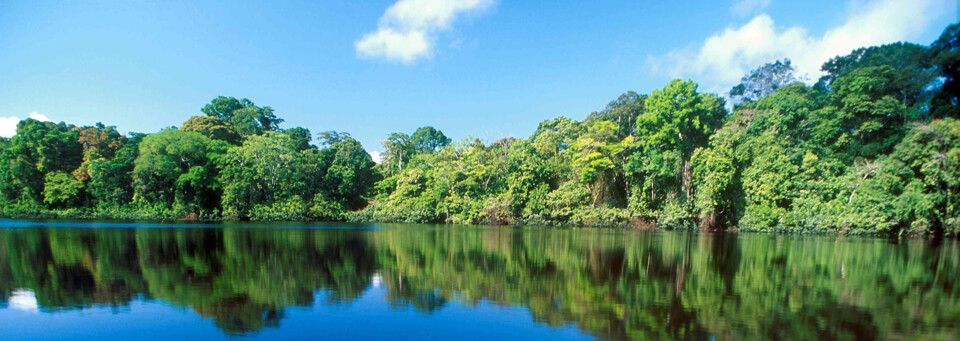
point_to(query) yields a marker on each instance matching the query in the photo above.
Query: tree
(331, 137)
(623, 112)
(111, 181)
(600, 156)
(212, 127)
(243, 116)
(679, 119)
(300, 136)
(873, 118)
(55, 146)
(351, 174)
(61, 190)
(428, 139)
(38, 148)
(554, 136)
(911, 77)
(930, 154)
(9, 190)
(99, 143)
(266, 170)
(399, 146)
(946, 55)
(222, 107)
(763, 81)
(177, 169)
(718, 199)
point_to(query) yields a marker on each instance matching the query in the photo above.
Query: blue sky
(482, 68)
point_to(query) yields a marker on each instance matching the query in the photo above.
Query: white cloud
(376, 156)
(726, 56)
(408, 29)
(744, 8)
(8, 125)
(393, 45)
(39, 117)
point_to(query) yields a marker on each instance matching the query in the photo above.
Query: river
(63, 280)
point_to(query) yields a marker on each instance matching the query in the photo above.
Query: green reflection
(611, 284)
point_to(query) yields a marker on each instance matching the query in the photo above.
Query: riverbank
(363, 217)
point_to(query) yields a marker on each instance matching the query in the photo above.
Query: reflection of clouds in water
(376, 280)
(24, 300)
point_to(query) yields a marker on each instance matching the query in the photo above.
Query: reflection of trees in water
(612, 284)
(683, 286)
(60, 266)
(239, 315)
(562, 277)
(241, 278)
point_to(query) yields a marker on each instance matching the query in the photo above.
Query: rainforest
(871, 147)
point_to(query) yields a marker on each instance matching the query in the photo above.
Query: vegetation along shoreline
(873, 147)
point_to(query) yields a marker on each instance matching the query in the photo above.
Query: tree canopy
(870, 148)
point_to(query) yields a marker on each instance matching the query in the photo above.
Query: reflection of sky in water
(369, 317)
(23, 300)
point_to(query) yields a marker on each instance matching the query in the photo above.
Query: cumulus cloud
(726, 56)
(376, 156)
(744, 8)
(39, 117)
(408, 29)
(8, 125)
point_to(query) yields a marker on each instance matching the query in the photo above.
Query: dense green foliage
(612, 285)
(234, 163)
(872, 147)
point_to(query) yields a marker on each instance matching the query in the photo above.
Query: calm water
(100, 281)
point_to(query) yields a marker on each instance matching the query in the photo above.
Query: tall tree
(929, 157)
(623, 112)
(243, 115)
(912, 76)
(300, 136)
(872, 116)
(99, 143)
(38, 148)
(213, 127)
(265, 170)
(680, 119)
(946, 55)
(111, 180)
(61, 190)
(399, 147)
(428, 139)
(330, 137)
(763, 81)
(600, 155)
(177, 169)
(55, 146)
(351, 174)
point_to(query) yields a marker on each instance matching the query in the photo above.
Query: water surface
(101, 281)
